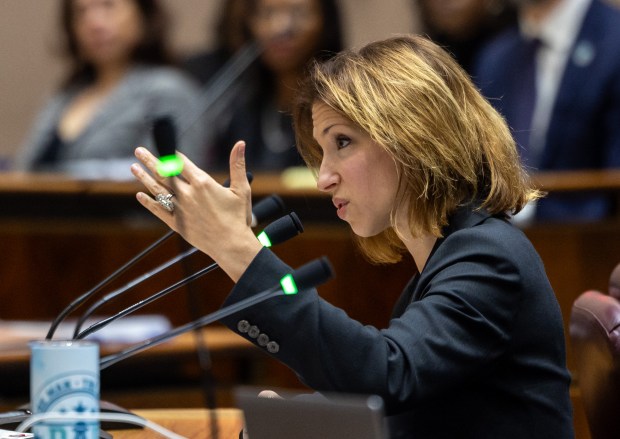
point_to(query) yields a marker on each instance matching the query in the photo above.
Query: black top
(476, 351)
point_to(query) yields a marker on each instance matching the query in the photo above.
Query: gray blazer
(104, 149)
(475, 348)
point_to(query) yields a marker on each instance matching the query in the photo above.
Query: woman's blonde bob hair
(450, 146)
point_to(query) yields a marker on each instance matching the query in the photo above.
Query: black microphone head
(281, 230)
(267, 208)
(165, 136)
(297, 222)
(313, 273)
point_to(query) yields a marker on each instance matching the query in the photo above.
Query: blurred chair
(614, 283)
(595, 338)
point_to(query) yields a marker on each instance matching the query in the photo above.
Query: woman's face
(456, 18)
(107, 31)
(289, 31)
(359, 174)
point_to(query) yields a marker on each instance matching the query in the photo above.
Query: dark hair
(229, 30)
(151, 50)
(331, 41)
(331, 37)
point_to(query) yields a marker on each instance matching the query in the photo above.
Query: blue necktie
(520, 109)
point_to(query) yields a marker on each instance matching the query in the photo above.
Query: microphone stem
(203, 321)
(84, 297)
(223, 79)
(101, 324)
(128, 287)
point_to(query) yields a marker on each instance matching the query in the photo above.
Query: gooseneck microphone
(264, 209)
(163, 127)
(165, 137)
(79, 301)
(129, 286)
(223, 79)
(307, 276)
(279, 231)
(87, 295)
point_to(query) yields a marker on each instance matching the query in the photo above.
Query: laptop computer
(333, 416)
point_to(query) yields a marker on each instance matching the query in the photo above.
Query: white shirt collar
(559, 29)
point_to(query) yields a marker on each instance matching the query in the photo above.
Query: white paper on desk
(129, 329)
(99, 169)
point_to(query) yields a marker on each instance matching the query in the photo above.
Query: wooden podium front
(190, 423)
(61, 236)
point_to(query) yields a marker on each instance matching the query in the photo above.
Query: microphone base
(10, 420)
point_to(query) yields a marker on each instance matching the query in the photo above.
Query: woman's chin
(365, 232)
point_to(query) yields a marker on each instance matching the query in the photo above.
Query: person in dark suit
(562, 98)
(420, 165)
(462, 27)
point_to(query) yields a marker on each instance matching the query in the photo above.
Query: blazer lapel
(465, 217)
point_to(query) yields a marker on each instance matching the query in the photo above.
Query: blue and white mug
(64, 380)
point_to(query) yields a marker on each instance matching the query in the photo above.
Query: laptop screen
(311, 416)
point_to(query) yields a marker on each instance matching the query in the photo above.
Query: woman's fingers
(156, 209)
(150, 162)
(238, 177)
(153, 185)
(156, 185)
(193, 203)
(191, 173)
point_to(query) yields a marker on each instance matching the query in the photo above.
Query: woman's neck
(420, 248)
(108, 77)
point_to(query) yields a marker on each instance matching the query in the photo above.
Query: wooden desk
(191, 423)
(63, 236)
(577, 181)
(167, 375)
(14, 348)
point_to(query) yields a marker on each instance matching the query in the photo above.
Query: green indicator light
(170, 165)
(264, 239)
(288, 285)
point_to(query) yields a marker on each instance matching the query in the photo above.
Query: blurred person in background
(290, 33)
(556, 79)
(120, 78)
(230, 36)
(463, 26)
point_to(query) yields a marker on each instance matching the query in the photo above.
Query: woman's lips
(341, 207)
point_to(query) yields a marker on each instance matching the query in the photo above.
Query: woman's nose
(327, 179)
(281, 25)
(94, 20)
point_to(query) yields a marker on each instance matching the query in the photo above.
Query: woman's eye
(342, 142)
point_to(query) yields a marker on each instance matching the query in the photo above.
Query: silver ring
(165, 201)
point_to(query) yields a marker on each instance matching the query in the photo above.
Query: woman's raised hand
(212, 218)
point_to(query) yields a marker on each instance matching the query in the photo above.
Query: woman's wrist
(235, 257)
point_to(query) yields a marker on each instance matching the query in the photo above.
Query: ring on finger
(166, 201)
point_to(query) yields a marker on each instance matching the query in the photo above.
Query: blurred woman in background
(289, 34)
(230, 36)
(119, 80)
